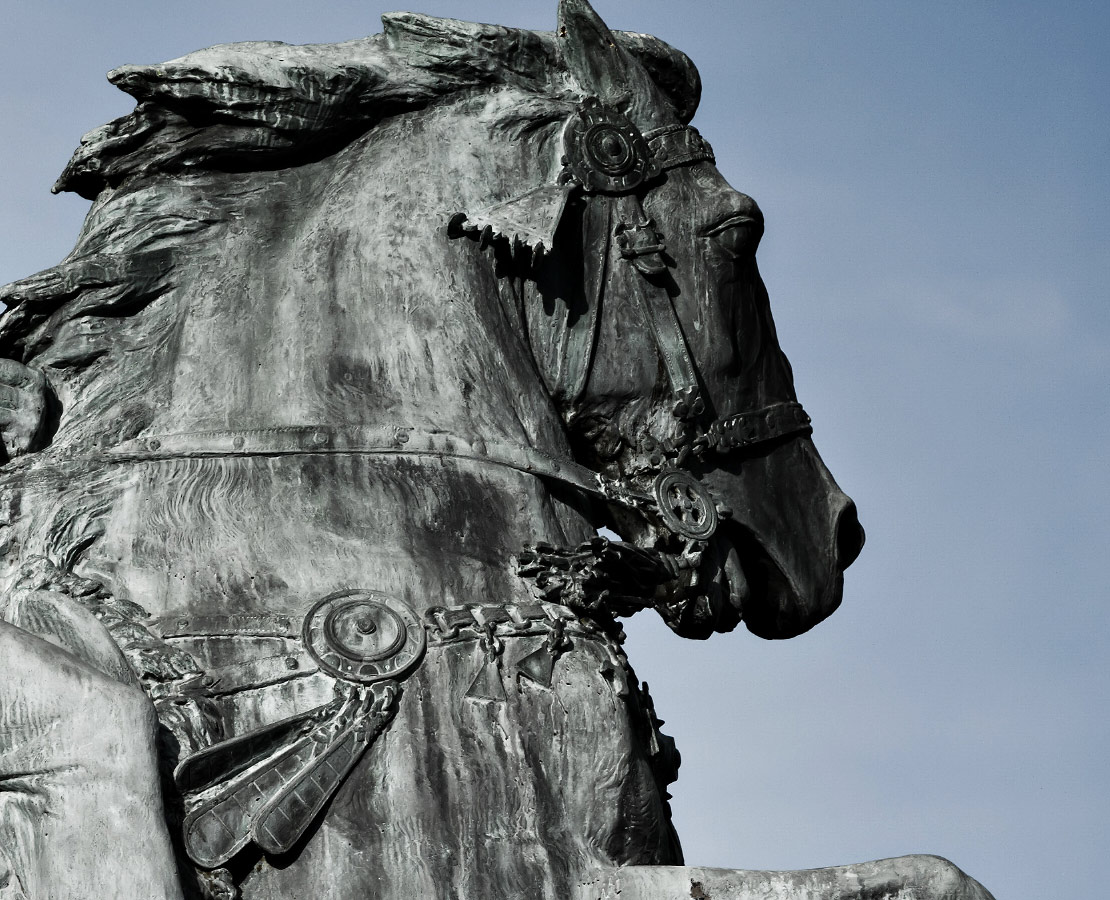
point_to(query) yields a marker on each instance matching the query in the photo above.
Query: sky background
(936, 183)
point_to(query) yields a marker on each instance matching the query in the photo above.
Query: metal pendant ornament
(268, 785)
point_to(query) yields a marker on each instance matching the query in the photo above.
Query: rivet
(320, 438)
(238, 442)
(292, 663)
(154, 444)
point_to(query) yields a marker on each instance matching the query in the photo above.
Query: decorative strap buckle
(685, 505)
(641, 245)
(604, 151)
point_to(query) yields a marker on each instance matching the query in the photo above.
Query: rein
(683, 503)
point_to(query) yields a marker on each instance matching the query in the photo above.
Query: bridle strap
(666, 328)
(749, 429)
(642, 247)
(322, 440)
(581, 334)
(678, 145)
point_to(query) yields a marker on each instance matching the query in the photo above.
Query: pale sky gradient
(936, 182)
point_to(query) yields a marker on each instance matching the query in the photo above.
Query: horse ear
(605, 69)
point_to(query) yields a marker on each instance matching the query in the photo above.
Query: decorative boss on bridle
(608, 159)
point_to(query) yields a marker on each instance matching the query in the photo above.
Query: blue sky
(935, 180)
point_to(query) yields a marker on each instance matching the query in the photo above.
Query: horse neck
(330, 306)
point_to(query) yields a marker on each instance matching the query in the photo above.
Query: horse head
(652, 329)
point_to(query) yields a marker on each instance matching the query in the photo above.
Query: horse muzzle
(794, 532)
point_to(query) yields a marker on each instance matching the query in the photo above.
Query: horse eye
(735, 235)
(734, 239)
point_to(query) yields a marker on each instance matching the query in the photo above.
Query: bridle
(609, 161)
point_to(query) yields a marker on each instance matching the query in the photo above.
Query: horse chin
(774, 605)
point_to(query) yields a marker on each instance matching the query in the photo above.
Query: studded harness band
(267, 785)
(673, 492)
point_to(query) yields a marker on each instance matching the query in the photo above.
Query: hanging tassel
(540, 665)
(487, 684)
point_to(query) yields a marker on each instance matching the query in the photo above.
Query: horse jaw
(794, 533)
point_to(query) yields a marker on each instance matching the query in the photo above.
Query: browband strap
(678, 145)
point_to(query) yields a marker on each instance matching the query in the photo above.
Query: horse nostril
(849, 537)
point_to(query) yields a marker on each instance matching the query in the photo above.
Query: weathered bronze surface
(307, 444)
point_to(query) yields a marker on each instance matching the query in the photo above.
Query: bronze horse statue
(308, 443)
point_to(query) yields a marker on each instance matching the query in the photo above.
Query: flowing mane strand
(258, 105)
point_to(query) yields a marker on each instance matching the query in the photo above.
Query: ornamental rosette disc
(604, 151)
(364, 636)
(685, 505)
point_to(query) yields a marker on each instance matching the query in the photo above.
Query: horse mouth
(778, 604)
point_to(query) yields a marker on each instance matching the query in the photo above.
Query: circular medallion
(610, 149)
(364, 636)
(605, 151)
(685, 505)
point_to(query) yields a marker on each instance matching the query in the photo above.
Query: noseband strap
(760, 426)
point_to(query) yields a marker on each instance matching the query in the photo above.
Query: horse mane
(260, 104)
(257, 106)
